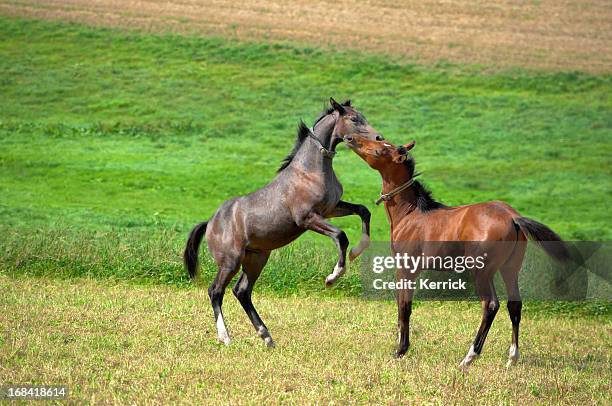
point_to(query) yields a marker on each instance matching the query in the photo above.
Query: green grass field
(110, 137)
(124, 344)
(114, 144)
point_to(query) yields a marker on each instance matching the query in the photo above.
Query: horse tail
(190, 255)
(546, 238)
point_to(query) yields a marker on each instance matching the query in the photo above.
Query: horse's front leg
(318, 224)
(346, 209)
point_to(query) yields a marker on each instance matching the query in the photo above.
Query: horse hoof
(269, 342)
(333, 277)
(353, 254)
(398, 355)
(464, 367)
(513, 356)
(224, 340)
(330, 280)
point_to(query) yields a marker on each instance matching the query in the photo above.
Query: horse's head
(380, 155)
(343, 120)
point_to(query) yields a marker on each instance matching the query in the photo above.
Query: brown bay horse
(303, 195)
(415, 217)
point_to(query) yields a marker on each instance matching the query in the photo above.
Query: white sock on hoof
(265, 336)
(269, 342)
(469, 358)
(332, 277)
(222, 334)
(363, 244)
(513, 355)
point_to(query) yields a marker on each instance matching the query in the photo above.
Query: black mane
(424, 199)
(302, 134)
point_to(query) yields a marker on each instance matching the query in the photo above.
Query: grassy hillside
(113, 144)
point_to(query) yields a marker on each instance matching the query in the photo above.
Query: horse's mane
(302, 133)
(424, 198)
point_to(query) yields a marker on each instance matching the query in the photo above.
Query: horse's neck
(309, 156)
(402, 205)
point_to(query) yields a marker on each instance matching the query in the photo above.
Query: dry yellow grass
(549, 34)
(120, 343)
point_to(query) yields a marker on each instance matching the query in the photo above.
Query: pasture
(123, 343)
(113, 144)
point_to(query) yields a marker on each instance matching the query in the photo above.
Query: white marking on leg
(222, 334)
(363, 244)
(513, 355)
(265, 335)
(332, 277)
(469, 358)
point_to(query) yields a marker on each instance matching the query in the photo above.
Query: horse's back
(486, 221)
(259, 220)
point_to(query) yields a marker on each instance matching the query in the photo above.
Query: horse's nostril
(348, 138)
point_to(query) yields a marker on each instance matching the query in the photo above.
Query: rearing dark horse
(306, 192)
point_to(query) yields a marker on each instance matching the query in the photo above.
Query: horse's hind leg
(252, 264)
(228, 266)
(490, 305)
(317, 223)
(346, 209)
(510, 271)
(404, 310)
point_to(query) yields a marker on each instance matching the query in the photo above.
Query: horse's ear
(410, 145)
(347, 103)
(401, 153)
(337, 106)
(400, 158)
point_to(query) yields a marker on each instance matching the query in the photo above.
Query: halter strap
(324, 151)
(387, 196)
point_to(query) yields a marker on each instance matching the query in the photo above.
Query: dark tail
(191, 249)
(546, 238)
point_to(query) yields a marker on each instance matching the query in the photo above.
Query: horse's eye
(379, 138)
